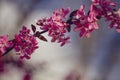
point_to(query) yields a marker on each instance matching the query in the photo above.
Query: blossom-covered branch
(58, 25)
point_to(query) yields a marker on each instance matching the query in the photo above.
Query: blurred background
(94, 58)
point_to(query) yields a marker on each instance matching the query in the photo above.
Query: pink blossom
(115, 22)
(114, 19)
(92, 19)
(103, 3)
(4, 44)
(85, 23)
(81, 22)
(103, 7)
(59, 14)
(80, 12)
(55, 25)
(25, 43)
(64, 41)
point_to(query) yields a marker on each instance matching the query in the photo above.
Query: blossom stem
(43, 32)
(39, 33)
(10, 48)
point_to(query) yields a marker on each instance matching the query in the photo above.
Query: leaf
(69, 21)
(73, 13)
(42, 38)
(68, 28)
(33, 28)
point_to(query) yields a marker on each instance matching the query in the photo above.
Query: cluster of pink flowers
(106, 9)
(4, 44)
(103, 5)
(85, 23)
(56, 26)
(25, 43)
(114, 19)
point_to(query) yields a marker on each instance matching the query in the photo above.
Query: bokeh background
(94, 58)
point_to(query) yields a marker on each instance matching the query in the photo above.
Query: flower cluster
(106, 9)
(25, 43)
(104, 5)
(4, 44)
(56, 26)
(114, 19)
(85, 23)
